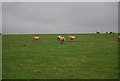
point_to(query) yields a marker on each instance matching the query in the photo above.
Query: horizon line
(57, 33)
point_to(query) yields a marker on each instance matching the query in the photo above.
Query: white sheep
(62, 39)
(0, 33)
(118, 37)
(36, 38)
(98, 32)
(71, 37)
(110, 32)
(58, 37)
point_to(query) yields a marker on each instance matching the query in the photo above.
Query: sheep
(36, 38)
(0, 33)
(71, 37)
(97, 32)
(110, 32)
(106, 32)
(58, 37)
(62, 39)
(118, 37)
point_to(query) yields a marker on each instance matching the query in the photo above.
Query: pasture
(89, 56)
(0, 57)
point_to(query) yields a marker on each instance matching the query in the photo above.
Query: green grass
(0, 57)
(89, 56)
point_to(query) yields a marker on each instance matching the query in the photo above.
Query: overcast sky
(0, 16)
(59, 17)
(119, 17)
(60, 0)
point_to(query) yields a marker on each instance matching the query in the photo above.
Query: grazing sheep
(110, 32)
(106, 32)
(97, 32)
(71, 37)
(36, 38)
(58, 37)
(62, 39)
(0, 33)
(118, 37)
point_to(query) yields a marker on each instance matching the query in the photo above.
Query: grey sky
(55, 17)
(60, 0)
(119, 17)
(0, 16)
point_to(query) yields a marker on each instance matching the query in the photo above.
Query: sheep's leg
(62, 41)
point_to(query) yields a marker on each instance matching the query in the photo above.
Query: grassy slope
(89, 56)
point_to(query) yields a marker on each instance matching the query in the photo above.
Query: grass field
(89, 56)
(0, 57)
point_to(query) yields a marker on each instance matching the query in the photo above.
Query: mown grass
(89, 56)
